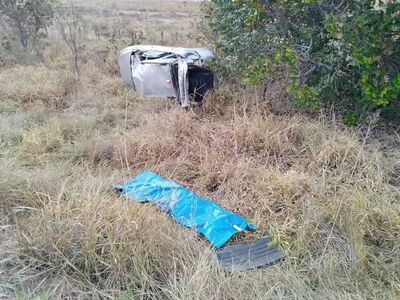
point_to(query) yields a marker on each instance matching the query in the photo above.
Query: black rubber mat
(242, 257)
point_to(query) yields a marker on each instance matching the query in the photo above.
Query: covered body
(189, 209)
(160, 71)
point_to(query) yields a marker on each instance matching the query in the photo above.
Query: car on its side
(172, 72)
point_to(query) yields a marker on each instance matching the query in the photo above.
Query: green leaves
(332, 51)
(305, 95)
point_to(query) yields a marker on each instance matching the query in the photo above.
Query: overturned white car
(159, 71)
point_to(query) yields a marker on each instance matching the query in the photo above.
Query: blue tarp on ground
(190, 210)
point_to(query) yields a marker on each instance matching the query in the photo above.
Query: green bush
(332, 51)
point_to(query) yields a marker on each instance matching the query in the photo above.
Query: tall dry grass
(320, 189)
(326, 193)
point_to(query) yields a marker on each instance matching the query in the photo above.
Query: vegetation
(341, 52)
(70, 28)
(329, 194)
(28, 18)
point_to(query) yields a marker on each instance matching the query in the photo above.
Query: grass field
(329, 195)
(152, 20)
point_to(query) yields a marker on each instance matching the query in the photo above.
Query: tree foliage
(332, 51)
(28, 18)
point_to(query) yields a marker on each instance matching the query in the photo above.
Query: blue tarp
(190, 210)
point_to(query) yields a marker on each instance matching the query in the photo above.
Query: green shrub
(332, 51)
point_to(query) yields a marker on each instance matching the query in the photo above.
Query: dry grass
(152, 21)
(27, 84)
(321, 191)
(327, 194)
